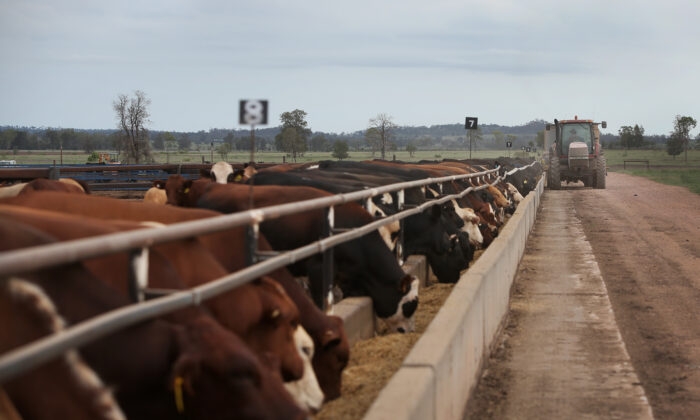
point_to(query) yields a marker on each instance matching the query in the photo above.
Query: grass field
(663, 168)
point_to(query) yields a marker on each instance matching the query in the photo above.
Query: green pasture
(655, 157)
(663, 168)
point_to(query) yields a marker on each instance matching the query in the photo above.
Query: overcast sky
(64, 62)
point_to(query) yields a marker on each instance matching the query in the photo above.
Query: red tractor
(574, 153)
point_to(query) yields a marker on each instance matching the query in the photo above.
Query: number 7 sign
(471, 123)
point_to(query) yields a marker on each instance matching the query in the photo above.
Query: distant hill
(434, 137)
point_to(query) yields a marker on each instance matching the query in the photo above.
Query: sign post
(252, 112)
(471, 124)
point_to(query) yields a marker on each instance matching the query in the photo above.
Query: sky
(421, 63)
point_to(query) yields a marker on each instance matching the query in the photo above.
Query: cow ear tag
(179, 401)
(186, 190)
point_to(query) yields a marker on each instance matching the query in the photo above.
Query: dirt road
(634, 246)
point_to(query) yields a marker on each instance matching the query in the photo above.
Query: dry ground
(645, 238)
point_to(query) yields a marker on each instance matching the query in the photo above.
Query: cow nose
(401, 330)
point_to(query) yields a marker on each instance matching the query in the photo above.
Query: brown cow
(364, 266)
(26, 314)
(68, 185)
(76, 392)
(163, 369)
(331, 346)
(260, 312)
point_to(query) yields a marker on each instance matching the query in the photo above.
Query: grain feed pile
(373, 362)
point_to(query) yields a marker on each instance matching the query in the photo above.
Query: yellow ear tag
(179, 402)
(186, 191)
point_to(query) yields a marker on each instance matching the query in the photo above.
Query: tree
(293, 134)
(631, 136)
(132, 117)
(184, 142)
(158, 142)
(499, 139)
(340, 150)
(289, 140)
(230, 140)
(7, 138)
(674, 145)
(169, 141)
(223, 150)
(53, 138)
(625, 133)
(638, 136)
(319, 143)
(379, 133)
(243, 143)
(411, 149)
(681, 134)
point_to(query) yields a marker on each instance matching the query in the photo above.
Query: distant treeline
(435, 137)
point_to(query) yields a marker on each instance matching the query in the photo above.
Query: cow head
(219, 172)
(306, 391)
(331, 356)
(217, 374)
(402, 321)
(185, 192)
(448, 267)
(436, 234)
(277, 327)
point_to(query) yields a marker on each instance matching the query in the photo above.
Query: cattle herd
(263, 350)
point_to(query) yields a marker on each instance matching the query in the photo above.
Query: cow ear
(236, 176)
(186, 186)
(185, 369)
(274, 316)
(330, 338)
(405, 286)
(334, 336)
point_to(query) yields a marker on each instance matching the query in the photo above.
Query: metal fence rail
(23, 358)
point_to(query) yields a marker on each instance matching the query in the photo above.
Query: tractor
(573, 153)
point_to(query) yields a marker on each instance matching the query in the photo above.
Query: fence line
(23, 358)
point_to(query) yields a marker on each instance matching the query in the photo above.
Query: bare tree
(132, 117)
(380, 133)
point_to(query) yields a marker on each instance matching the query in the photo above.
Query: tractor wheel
(600, 172)
(553, 174)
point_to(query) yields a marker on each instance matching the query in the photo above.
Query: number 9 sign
(253, 112)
